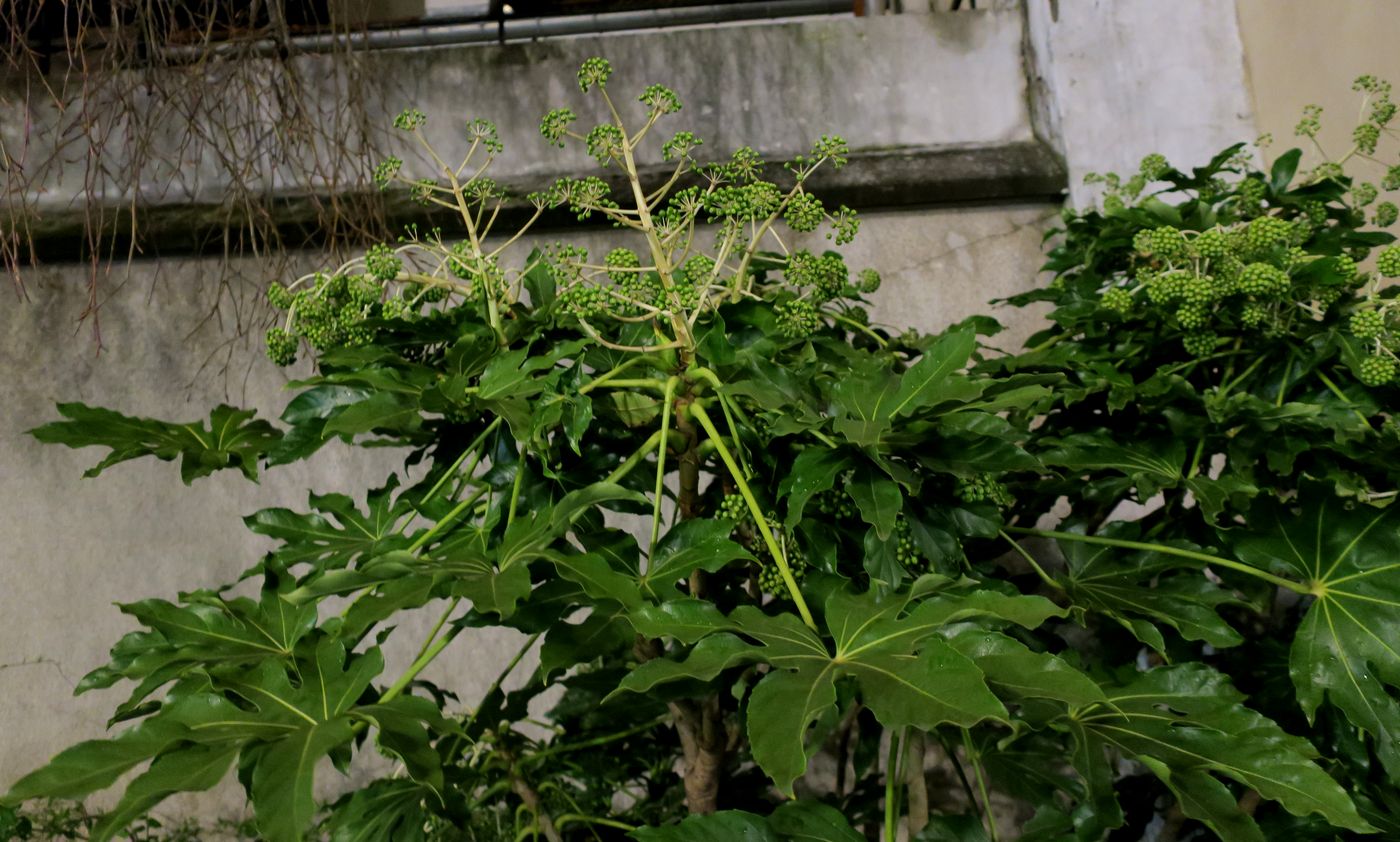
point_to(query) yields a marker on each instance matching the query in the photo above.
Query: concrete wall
(72, 547)
(1299, 53)
(1102, 81)
(1123, 78)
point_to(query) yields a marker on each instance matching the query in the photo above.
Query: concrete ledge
(911, 177)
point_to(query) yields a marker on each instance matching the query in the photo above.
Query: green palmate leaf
(386, 809)
(340, 534)
(1190, 719)
(878, 498)
(871, 397)
(812, 821)
(230, 439)
(953, 829)
(1141, 590)
(192, 769)
(923, 383)
(283, 771)
(1204, 798)
(207, 631)
(813, 471)
(689, 546)
(94, 765)
(1151, 465)
(388, 411)
(907, 675)
(1015, 670)
(1345, 650)
(724, 826)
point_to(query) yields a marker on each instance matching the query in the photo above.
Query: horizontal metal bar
(517, 29)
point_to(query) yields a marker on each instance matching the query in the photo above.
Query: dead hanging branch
(109, 110)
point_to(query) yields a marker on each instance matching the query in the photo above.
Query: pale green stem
(576, 818)
(632, 461)
(976, 759)
(420, 663)
(661, 463)
(597, 741)
(447, 519)
(606, 376)
(504, 674)
(643, 383)
(1333, 388)
(515, 487)
(892, 776)
(697, 409)
(1166, 550)
(724, 405)
(471, 449)
(1030, 559)
(865, 329)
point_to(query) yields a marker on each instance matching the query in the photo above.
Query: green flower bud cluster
(423, 189)
(770, 578)
(1386, 214)
(605, 143)
(1213, 244)
(554, 124)
(660, 99)
(1311, 122)
(836, 505)
(804, 213)
(1153, 166)
(1364, 193)
(832, 147)
(826, 274)
(584, 300)
(797, 318)
(585, 195)
(1376, 370)
(385, 171)
(1365, 137)
(1367, 324)
(594, 72)
(279, 296)
(410, 120)
(619, 262)
(734, 507)
(1388, 262)
(1192, 316)
(983, 488)
(756, 200)
(680, 146)
(845, 224)
(906, 549)
(1165, 242)
(869, 281)
(1117, 299)
(1263, 280)
(1200, 343)
(330, 314)
(281, 347)
(1391, 179)
(693, 276)
(382, 262)
(1251, 196)
(483, 132)
(1266, 232)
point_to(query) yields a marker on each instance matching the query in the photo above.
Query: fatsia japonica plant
(766, 552)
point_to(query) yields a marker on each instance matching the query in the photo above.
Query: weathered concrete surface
(1299, 53)
(1130, 77)
(72, 547)
(935, 106)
